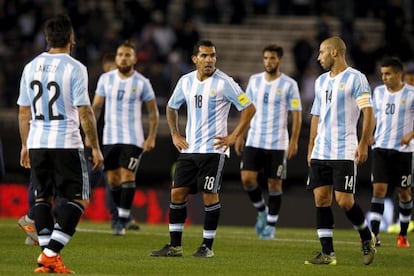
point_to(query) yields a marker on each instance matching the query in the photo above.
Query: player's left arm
(368, 124)
(406, 139)
(88, 124)
(245, 117)
(153, 116)
(25, 116)
(295, 131)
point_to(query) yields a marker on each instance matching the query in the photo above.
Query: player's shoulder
(140, 76)
(189, 75)
(257, 75)
(288, 79)
(221, 75)
(409, 88)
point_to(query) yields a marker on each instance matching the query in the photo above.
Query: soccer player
(208, 94)
(123, 91)
(274, 94)
(393, 146)
(334, 150)
(53, 101)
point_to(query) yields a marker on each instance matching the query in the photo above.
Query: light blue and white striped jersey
(123, 107)
(338, 102)
(208, 104)
(268, 128)
(394, 113)
(54, 85)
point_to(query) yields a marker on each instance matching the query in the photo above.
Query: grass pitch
(94, 251)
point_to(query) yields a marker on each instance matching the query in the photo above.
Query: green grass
(94, 251)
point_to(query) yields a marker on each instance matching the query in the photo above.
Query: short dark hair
(274, 48)
(206, 43)
(129, 44)
(58, 30)
(393, 62)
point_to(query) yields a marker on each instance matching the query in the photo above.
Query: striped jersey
(123, 104)
(338, 102)
(54, 85)
(268, 127)
(208, 103)
(394, 113)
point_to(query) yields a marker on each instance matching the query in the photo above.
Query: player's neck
(125, 75)
(64, 50)
(272, 77)
(338, 68)
(395, 88)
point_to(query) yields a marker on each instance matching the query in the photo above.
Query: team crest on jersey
(134, 90)
(212, 93)
(403, 101)
(279, 90)
(341, 86)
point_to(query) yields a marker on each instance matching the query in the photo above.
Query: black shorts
(273, 162)
(339, 173)
(199, 172)
(121, 156)
(60, 172)
(392, 167)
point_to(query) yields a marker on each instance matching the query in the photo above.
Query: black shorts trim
(272, 162)
(122, 156)
(392, 167)
(339, 173)
(199, 172)
(60, 172)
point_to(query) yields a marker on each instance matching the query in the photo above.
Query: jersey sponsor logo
(243, 99)
(294, 103)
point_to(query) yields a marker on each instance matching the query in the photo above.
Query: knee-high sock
(212, 215)
(405, 209)
(65, 225)
(377, 211)
(178, 215)
(324, 226)
(356, 216)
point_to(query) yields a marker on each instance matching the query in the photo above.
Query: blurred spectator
(365, 55)
(161, 33)
(260, 7)
(409, 74)
(187, 36)
(398, 43)
(303, 50)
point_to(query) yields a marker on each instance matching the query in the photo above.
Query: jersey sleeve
(362, 91)
(148, 93)
(316, 106)
(234, 93)
(177, 98)
(80, 87)
(295, 103)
